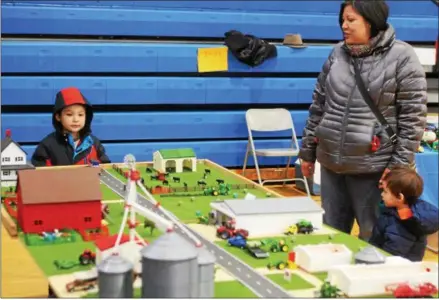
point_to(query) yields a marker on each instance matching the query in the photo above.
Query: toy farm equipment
(224, 189)
(87, 257)
(238, 241)
(279, 246)
(304, 227)
(84, 281)
(65, 264)
(229, 230)
(280, 265)
(405, 290)
(291, 230)
(202, 219)
(210, 191)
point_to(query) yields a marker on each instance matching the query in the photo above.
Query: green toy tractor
(305, 227)
(202, 219)
(280, 246)
(224, 189)
(280, 265)
(210, 191)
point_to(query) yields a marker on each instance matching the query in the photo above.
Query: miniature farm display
(191, 191)
(273, 251)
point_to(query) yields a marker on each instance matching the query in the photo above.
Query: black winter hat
(376, 13)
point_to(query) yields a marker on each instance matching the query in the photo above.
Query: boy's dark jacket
(57, 149)
(406, 238)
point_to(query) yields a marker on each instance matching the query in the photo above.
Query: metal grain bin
(170, 268)
(115, 278)
(206, 273)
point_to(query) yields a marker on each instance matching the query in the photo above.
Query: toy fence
(170, 191)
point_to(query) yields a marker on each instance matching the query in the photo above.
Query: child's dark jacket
(57, 148)
(406, 237)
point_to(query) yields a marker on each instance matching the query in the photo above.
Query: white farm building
(321, 257)
(176, 159)
(13, 159)
(268, 217)
(368, 280)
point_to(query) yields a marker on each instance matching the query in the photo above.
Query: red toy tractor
(229, 230)
(405, 290)
(87, 257)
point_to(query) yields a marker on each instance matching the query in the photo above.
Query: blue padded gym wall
(136, 61)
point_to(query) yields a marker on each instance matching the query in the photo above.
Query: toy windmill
(130, 200)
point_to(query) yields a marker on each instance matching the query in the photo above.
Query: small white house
(321, 257)
(268, 217)
(127, 249)
(13, 159)
(176, 159)
(370, 280)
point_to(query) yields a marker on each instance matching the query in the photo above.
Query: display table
(21, 276)
(302, 285)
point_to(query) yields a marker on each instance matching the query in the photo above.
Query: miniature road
(252, 279)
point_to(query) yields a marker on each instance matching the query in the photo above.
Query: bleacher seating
(197, 19)
(99, 57)
(148, 94)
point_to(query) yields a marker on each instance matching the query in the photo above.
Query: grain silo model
(115, 278)
(206, 273)
(170, 268)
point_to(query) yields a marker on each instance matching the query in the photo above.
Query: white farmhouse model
(268, 217)
(13, 159)
(321, 257)
(127, 249)
(367, 280)
(176, 159)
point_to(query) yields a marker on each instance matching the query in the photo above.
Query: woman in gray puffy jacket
(343, 133)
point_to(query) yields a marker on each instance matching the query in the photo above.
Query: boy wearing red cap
(72, 142)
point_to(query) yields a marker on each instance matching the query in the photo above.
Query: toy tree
(327, 290)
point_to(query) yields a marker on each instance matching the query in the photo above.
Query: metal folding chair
(271, 120)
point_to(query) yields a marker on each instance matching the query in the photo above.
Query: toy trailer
(84, 281)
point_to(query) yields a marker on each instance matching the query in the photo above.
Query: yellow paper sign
(212, 59)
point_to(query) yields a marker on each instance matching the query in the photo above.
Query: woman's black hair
(375, 12)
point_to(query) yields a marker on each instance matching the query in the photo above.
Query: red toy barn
(58, 199)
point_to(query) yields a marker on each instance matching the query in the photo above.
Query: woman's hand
(307, 168)
(381, 182)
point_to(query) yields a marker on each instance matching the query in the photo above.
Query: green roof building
(175, 159)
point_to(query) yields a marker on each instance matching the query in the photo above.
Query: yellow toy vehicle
(291, 230)
(280, 265)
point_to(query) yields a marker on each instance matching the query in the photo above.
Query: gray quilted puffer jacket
(341, 126)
